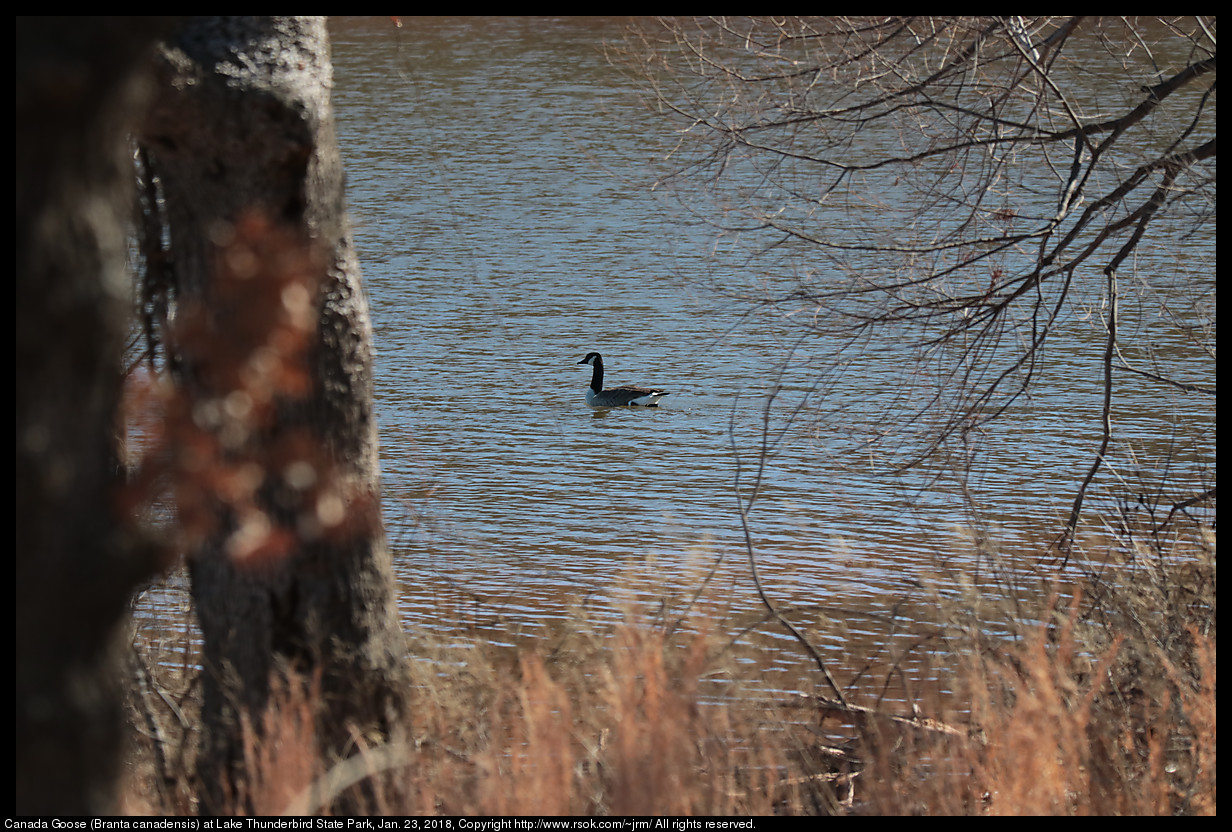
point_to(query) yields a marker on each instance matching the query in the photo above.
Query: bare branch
(952, 186)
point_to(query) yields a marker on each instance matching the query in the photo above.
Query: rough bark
(242, 127)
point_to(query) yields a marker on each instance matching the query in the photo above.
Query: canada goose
(628, 395)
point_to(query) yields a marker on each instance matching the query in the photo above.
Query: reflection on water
(498, 181)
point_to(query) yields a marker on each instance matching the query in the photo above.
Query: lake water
(499, 176)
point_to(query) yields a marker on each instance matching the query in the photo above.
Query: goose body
(627, 396)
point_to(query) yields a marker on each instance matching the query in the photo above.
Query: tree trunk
(79, 82)
(293, 576)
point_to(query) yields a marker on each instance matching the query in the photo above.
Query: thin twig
(745, 508)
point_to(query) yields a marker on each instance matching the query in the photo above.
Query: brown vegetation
(1074, 713)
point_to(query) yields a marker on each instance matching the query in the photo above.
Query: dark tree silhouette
(79, 85)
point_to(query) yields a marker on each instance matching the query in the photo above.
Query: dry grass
(1048, 734)
(628, 737)
(1074, 713)
(1104, 705)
